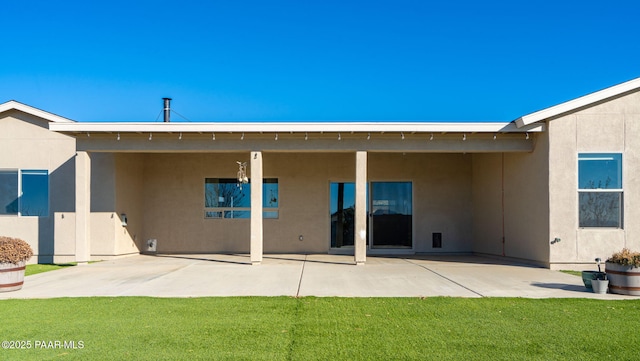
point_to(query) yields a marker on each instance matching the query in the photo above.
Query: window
(9, 192)
(225, 198)
(24, 192)
(600, 190)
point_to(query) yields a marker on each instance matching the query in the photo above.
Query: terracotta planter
(11, 276)
(624, 280)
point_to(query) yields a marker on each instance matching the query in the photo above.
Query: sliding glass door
(390, 221)
(391, 215)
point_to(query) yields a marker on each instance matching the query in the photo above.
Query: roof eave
(360, 127)
(53, 118)
(578, 103)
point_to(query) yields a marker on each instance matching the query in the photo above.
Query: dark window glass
(8, 192)
(35, 193)
(600, 190)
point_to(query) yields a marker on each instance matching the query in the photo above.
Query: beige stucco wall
(510, 192)
(116, 188)
(103, 217)
(65, 237)
(612, 126)
(487, 203)
(526, 190)
(174, 199)
(129, 201)
(26, 143)
(441, 194)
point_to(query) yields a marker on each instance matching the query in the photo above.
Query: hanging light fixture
(242, 174)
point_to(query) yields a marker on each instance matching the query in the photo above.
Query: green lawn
(283, 328)
(33, 269)
(575, 273)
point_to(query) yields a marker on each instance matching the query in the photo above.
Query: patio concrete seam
(127, 291)
(446, 278)
(301, 274)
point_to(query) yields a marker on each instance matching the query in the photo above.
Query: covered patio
(141, 182)
(298, 275)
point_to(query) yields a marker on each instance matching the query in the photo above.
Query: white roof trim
(267, 127)
(12, 104)
(578, 103)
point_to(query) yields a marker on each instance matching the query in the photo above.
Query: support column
(256, 208)
(360, 254)
(83, 207)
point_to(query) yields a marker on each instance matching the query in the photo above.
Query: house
(555, 188)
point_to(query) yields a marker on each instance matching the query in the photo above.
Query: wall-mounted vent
(436, 240)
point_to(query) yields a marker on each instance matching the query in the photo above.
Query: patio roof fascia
(285, 127)
(575, 104)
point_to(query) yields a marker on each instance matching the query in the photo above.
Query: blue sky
(321, 60)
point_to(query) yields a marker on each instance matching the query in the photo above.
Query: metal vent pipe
(167, 109)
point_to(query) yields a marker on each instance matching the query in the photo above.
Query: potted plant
(600, 284)
(14, 253)
(623, 269)
(588, 276)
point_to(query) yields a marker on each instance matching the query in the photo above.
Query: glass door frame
(371, 249)
(349, 250)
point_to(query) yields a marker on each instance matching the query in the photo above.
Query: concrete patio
(304, 275)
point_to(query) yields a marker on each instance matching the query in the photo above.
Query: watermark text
(42, 344)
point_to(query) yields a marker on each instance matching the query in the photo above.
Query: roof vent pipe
(167, 109)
